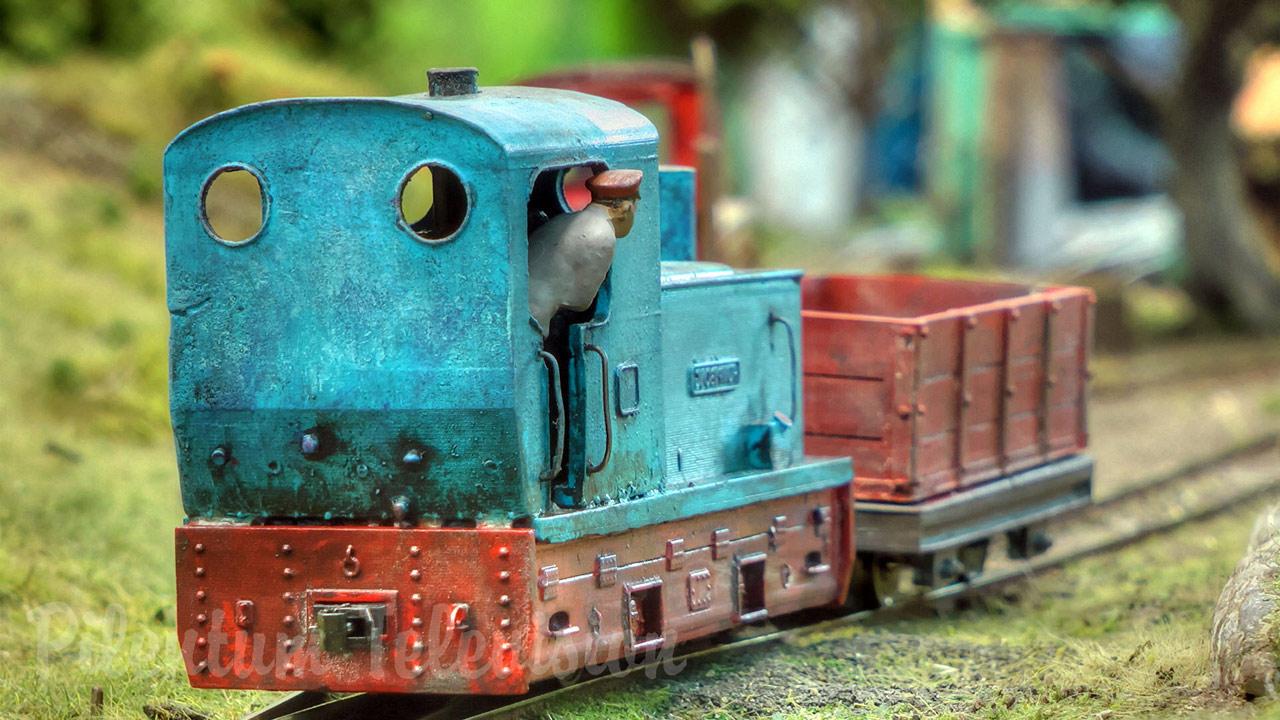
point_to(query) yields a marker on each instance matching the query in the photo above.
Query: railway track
(1245, 473)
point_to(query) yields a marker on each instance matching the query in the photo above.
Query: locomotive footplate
(1008, 505)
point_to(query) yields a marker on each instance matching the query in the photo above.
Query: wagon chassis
(1171, 490)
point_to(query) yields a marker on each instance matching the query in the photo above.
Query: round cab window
(433, 202)
(232, 205)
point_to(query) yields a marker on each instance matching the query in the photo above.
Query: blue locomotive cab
(347, 361)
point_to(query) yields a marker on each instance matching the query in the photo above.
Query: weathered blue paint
(730, 492)
(337, 366)
(337, 317)
(716, 316)
(679, 213)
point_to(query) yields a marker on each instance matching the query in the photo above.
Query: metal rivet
(200, 595)
(310, 443)
(287, 597)
(199, 548)
(504, 600)
(288, 667)
(417, 670)
(418, 645)
(288, 645)
(416, 622)
(412, 457)
(202, 666)
(415, 575)
(504, 551)
(506, 647)
(415, 551)
(400, 507)
(504, 576)
(288, 620)
(219, 456)
(504, 623)
(415, 598)
(504, 672)
(202, 619)
(288, 573)
(201, 642)
(286, 549)
(351, 564)
(199, 572)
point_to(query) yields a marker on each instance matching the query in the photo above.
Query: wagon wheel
(974, 558)
(876, 582)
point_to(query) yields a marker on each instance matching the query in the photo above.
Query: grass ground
(88, 497)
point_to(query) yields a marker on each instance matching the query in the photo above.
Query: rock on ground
(1245, 644)
(1265, 528)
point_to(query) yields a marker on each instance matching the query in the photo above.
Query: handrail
(791, 344)
(553, 387)
(608, 421)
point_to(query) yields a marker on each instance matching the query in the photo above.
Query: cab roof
(519, 120)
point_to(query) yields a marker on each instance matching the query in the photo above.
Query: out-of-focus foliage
(44, 31)
(394, 41)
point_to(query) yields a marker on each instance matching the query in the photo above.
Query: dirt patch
(904, 674)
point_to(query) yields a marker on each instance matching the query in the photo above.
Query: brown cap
(615, 184)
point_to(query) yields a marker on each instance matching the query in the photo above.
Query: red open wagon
(962, 404)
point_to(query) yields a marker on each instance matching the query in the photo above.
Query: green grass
(88, 488)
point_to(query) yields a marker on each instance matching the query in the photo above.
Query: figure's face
(623, 217)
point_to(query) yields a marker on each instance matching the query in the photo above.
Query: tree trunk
(1231, 272)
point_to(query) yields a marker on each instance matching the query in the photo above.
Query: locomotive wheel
(572, 677)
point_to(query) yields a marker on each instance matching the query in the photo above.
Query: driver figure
(570, 254)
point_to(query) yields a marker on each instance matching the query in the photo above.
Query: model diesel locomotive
(395, 482)
(400, 476)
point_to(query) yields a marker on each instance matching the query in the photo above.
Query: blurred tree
(321, 24)
(1233, 271)
(44, 31)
